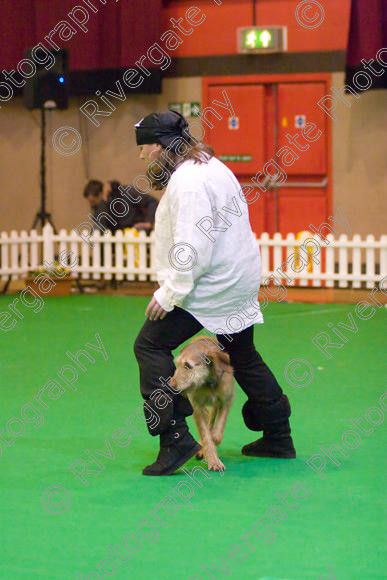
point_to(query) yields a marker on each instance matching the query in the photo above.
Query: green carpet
(333, 533)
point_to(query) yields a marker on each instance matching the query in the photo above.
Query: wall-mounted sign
(187, 109)
(233, 123)
(235, 158)
(262, 39)
(299, 121)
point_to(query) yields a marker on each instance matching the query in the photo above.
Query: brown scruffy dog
(204, 375)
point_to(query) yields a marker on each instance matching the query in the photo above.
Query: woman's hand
(154, 310)
(106, 190)
(146, 225)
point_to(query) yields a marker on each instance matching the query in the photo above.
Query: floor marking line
(309, 312)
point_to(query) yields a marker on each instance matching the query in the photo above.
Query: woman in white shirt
(208, 269)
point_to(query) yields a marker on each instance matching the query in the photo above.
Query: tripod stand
(42, 216)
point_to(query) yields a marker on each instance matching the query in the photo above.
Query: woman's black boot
(177, 446)
(274, 421)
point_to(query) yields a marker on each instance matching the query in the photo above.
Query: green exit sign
(261, 39)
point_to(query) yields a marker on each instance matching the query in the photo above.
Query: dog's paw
(199, 454)
(216, 466)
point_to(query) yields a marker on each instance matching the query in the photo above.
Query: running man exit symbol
(265, 38)
(195, 109)
(251, 39)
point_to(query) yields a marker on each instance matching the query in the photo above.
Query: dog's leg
(199, 454)
(209, 450)
(213, 413)
(217, 433)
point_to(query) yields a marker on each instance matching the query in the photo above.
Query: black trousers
(153, 348)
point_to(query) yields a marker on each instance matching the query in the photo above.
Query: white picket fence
(129, 255)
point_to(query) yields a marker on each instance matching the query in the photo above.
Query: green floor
(334, 533)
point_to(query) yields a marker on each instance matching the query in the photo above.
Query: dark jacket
(141, 211)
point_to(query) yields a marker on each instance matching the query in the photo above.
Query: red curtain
(118, 33)
(367, 35)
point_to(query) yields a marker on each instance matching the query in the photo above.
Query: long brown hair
(160, 170)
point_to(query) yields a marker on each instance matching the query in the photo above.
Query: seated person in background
(141, 214)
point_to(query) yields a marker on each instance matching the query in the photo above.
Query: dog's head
(201, 362)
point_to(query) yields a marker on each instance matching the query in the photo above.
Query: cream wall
(109, 151)
(359, 160)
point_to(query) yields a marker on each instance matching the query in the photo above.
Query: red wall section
(117, 35)
(217, 34)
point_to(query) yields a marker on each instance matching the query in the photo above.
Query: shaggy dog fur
(204, 375)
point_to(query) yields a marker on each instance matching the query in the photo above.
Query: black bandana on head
(167, 128)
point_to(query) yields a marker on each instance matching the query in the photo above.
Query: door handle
(308, 184)
(267, 183)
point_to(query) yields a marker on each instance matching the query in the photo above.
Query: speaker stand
(42, 216)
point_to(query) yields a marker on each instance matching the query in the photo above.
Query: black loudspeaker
(51, 80)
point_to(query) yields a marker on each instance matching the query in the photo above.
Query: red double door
(279, 130)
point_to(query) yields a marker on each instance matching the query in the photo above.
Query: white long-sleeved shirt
(214, 275)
